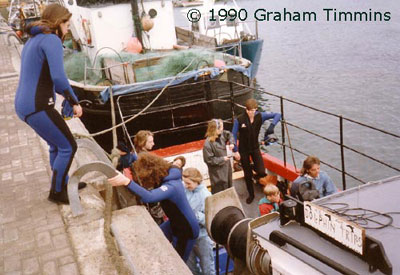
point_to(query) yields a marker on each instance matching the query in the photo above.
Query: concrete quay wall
(40, 237)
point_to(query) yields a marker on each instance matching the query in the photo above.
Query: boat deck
(194, 158)
(379, 196)
(251, 210)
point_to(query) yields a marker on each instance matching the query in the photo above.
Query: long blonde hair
(53, 15)
(212, 129)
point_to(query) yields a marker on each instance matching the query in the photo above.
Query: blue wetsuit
(42, 74)
(182, 227)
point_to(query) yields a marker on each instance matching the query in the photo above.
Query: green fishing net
(74, 64)
(169, 65)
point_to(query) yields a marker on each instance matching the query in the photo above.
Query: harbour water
(349, 68)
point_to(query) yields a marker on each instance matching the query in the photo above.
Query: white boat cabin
(104, 24)
(220, 21)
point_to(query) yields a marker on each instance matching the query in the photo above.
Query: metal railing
(340, 143)
(227, 97)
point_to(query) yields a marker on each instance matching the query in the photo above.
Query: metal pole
(256, 29)
(136, 20)
(283, 132)
(342, 153)
(84, 73)
(227, 263)
(232, 102)
(217, 258)
(113, 120)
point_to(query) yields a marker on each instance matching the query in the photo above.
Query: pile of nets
(74, 65)
(169, 65)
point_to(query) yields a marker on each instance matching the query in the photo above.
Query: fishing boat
(225, 27)
(176, 89)
(354, 231)
(293, 242)
(23, 12)
(190, 3)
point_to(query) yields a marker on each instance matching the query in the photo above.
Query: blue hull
(251, 50)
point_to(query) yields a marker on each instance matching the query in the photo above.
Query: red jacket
(266, 207)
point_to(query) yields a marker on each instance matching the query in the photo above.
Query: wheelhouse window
(212, 24)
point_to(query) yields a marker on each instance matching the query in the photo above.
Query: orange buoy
(147, 23)
(134, 45)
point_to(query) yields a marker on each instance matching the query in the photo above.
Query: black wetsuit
(248, 144)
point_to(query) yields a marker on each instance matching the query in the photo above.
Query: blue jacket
(127, 160)
(42, 74)
(197, 199)
(323, 183)
(171, 195)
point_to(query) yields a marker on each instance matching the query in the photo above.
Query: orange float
(134, 45)
(219, 63)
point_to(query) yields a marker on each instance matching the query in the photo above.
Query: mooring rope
(110, 243)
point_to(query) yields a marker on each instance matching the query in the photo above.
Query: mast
(136, 20)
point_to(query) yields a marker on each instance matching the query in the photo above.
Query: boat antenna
(136, 20)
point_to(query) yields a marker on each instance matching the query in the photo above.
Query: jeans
(203, 250)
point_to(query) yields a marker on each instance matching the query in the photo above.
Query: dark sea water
(347, 68)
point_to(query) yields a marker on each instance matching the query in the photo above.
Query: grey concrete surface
(38, 236)
(133, 237)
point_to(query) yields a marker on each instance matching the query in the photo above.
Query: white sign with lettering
(336, 227)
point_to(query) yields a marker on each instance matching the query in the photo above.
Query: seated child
(270, 203)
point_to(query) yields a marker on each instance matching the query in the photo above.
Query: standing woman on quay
(42, 74)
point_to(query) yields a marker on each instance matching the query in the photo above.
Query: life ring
(86, 29)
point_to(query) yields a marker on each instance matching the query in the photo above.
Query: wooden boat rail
(121, 73)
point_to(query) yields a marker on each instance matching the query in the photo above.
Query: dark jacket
(248, 132)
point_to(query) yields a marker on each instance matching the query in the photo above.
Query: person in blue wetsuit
(248, 126)
(182, 228)
(42, 74)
